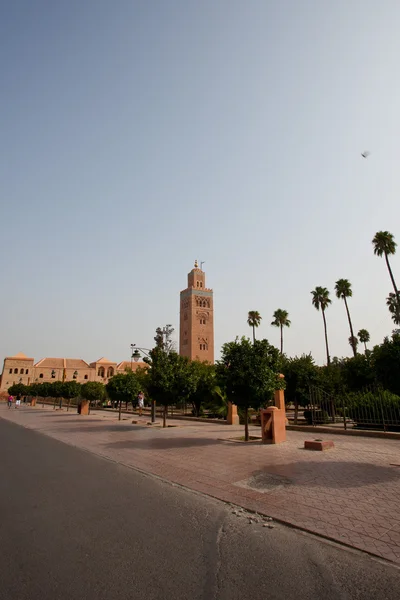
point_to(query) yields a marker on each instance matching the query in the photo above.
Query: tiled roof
(104, 361)
(54, 363)
(126, 364)
(76, 363)
(61, 363)
(21, 356)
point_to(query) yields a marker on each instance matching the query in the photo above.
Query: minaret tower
(196, 335)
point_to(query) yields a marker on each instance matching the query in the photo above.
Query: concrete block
(318, 445)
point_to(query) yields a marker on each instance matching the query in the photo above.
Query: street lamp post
(53, 375)
(136, 355)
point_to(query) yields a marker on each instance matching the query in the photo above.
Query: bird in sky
(365, 153)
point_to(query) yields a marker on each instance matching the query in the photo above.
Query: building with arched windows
(22, 369)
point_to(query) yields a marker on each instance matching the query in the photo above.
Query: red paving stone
(350, 494)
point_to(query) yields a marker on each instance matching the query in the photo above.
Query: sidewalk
(350, 494)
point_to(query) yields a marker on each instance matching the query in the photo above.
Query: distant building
(196, 335)
(21, 369)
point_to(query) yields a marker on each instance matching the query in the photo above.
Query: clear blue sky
(139, 135)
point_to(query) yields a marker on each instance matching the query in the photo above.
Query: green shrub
(373, 408)
(316, 417)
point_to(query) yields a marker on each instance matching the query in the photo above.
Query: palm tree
(353, 341)
(363, 334)
(344, 291)
(321, 301)
(393, 304)
(254, 320)
(281, 319)
(384, 245)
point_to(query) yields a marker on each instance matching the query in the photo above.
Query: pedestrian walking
(10, 401)
(18, 401)
(140, 400)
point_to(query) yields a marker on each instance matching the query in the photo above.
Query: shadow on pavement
(163, 443)
(335, 474)
(100, 428)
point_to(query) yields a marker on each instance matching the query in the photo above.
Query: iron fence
(371, 408)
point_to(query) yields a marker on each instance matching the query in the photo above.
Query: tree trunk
(281, 339)
(391, 274)
(365, 346)
(296, 410)
(394, 287)
(165, 416)
(328, 360)
(246, 424)
(351, 327)
(254, 334)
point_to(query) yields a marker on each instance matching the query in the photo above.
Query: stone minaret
(196, 335)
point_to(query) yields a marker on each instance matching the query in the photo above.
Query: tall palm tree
(384, 245)
(254, 320)
(363, 335)
(321, 301)
(393, 304)
(343, 290)
(281, 319)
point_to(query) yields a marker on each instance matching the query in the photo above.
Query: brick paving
(350, 493)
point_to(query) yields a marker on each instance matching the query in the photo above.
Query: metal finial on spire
(196, 265)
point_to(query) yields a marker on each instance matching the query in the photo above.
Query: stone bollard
(232, 417)
(273, 425)
(84, 407)
(33, 401)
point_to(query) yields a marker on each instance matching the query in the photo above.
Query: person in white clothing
(140, 402)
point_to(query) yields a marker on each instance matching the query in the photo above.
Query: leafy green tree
(56, 390)
(171, 378)
(343, 290)
(330, 378)
(250, 374)
(364, 337)
(386, 361)
(94, 391)
(357, 372)
(254, 320)
(33, 390)
(163, 338)
(18, 389)
(205, 391)
(44, 390)
(71, 389)
(123, 387)
(142, 377)
(281, 320)
(300, 374)
(321, 301)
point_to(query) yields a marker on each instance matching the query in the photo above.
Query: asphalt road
(76, 526)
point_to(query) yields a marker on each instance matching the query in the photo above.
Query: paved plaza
(350, 494)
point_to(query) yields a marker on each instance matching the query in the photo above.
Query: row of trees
(384, 246)
(92, 390)
(376, 367)
(246, 375)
